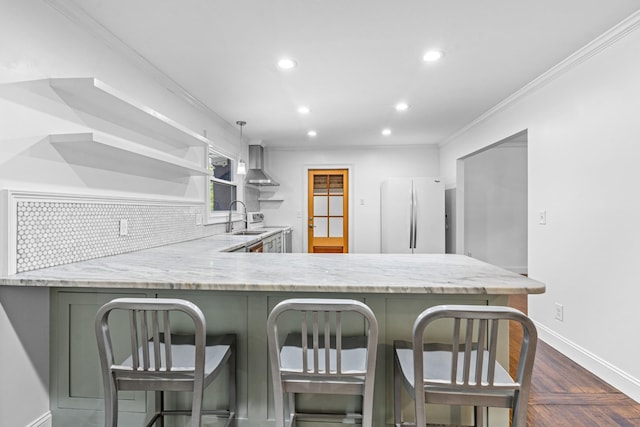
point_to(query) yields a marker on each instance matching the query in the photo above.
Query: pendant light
(242, 167)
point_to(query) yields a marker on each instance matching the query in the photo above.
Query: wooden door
(328, 203)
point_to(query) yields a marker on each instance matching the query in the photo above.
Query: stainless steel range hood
(256, 174)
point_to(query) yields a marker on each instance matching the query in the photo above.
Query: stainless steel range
(255, 220)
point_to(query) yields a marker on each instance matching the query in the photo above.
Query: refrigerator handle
(411, 218)
(414, 208)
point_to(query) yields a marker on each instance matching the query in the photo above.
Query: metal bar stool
(320, 358)
(161, 360)
(464, 371)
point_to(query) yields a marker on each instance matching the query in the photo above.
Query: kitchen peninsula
(236, 292)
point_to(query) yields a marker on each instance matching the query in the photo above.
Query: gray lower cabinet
(76, 385)
(272, 243)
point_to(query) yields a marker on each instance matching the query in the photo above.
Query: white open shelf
(97, 98)
(106, 150)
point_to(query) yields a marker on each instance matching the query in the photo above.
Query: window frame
(220, 216)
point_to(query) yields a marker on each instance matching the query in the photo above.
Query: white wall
(37, 42)
(495, 206)
(583, 133)
(369, 167)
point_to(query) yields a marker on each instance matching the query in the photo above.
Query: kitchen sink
(247, 233)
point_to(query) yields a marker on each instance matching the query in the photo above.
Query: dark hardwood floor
(565, 394)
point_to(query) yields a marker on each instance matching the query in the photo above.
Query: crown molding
(593, 48)
(80, 17)
(349, 147)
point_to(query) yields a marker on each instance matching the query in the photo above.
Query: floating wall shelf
(97, 98)
(106, 151)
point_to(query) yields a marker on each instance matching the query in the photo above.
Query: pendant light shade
(242, 166)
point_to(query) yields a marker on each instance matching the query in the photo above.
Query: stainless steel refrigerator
(412, 216)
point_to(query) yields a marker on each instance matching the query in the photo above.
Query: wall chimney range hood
(256, 174)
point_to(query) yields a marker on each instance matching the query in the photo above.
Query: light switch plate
(559, 314)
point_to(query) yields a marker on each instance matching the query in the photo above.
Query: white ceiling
(356, 58)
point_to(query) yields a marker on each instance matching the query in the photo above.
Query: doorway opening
(492, 204)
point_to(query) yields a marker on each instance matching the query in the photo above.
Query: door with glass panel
(327, 211)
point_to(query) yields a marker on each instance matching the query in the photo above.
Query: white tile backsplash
(53, 233)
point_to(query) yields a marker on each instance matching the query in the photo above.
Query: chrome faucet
(246, 220)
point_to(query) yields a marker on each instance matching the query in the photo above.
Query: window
(222, 189)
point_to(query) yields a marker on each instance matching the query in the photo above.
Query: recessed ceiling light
(312, 133)
(386, 132)
(402, 106)
(304, 110)
(433, 55)
(287, 63)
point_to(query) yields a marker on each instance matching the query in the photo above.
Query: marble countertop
(199, 264)
(229, 242)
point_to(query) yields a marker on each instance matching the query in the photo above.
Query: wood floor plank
(577, 399)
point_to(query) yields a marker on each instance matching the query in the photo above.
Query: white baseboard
(609, 373)
(45, 420)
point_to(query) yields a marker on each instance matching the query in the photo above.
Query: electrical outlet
(559, 312)
(124, 227)
(542, 217)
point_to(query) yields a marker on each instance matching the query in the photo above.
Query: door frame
(305, 196)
